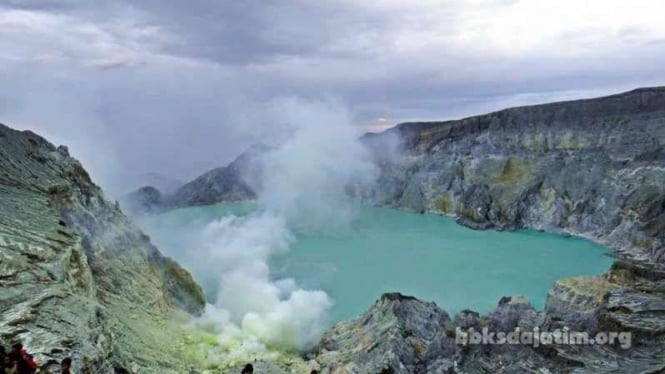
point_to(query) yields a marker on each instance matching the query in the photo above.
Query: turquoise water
(387, 250)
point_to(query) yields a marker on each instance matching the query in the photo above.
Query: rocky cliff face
(590, 167)
(401, 334)
(77, 278)
(237, 181)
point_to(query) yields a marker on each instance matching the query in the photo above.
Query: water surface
(388, 250)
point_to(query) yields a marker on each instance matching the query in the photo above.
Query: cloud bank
(180, 87)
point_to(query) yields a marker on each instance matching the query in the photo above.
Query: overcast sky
(177, 87)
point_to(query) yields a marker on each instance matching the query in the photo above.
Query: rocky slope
(590, 167)
(237, 181)
(77, 278)
(401, 334)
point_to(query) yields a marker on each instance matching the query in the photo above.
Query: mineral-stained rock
(592, 167)
(77, 278)
(636, 311)
(400, 334)
(576, 300)
(638, 306)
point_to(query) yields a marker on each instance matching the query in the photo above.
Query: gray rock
(398, 334)
(235, 182)
(164, 183)
(77, 278)
(467, 319)
(145, 200)
(512, 312)
(588, 167)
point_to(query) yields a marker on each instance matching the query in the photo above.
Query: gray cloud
(178, 87)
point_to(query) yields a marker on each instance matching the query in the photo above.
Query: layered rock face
(590, 167)
(77, 278)
(401, 334)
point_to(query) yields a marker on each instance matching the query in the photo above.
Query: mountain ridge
(546, 105)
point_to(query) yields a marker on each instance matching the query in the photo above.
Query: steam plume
(304, 185)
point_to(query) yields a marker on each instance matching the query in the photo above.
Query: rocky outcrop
(145, 200)
(401, 334)
(163, 183)
(576, 300)
(237, 181)
(398, 334)
(77, 278)
(638, 305)
(589, 167)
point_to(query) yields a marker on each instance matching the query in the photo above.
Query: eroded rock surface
(401, 334)
(77, 278)
(590, 167)
(398, 334)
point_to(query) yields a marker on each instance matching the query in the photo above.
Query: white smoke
(305, 183)
(306, 179)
